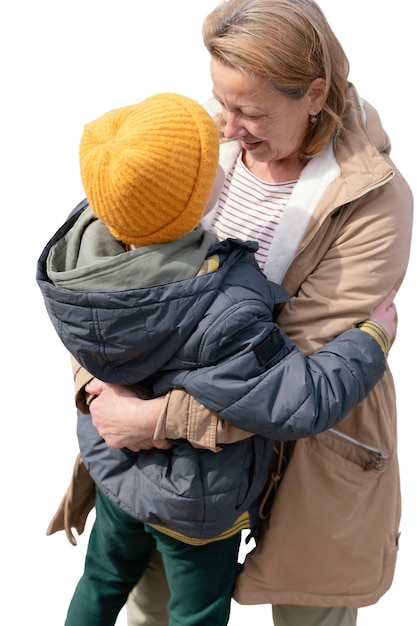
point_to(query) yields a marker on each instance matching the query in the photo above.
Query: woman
(308, 175)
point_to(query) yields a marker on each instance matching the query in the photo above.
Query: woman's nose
(232, 127)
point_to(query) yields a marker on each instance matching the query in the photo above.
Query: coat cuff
(182, 417)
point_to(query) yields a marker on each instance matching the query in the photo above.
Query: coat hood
(127, 335)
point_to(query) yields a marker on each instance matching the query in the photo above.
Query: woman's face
(269, 125)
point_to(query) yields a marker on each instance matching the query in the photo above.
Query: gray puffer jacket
(214, 336)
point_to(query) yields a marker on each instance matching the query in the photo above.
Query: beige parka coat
(331, 538)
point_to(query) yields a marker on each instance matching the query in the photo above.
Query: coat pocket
(333, 527)
(359, 453)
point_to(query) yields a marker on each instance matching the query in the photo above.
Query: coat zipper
(380, 455)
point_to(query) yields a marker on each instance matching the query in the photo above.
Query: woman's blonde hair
(287, 43)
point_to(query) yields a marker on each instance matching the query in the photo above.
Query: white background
(63, 64)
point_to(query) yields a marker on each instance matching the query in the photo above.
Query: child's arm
(291, 395)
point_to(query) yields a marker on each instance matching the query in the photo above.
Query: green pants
(200, 578)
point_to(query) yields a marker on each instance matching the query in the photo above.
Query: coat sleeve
(203, 428)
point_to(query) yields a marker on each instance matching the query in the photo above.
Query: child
(140, 293)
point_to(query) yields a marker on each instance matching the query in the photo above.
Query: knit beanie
(148, 169)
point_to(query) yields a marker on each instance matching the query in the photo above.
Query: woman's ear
(317, 95)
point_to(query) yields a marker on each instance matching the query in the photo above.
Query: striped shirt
(250, 209)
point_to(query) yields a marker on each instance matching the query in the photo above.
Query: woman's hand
(385, 313)
(123, 419)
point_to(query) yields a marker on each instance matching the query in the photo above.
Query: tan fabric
(332, 537)
(147, 602)
(292, 615)
(81, 378)
(76, 504)
(203, 428)
(80, 495)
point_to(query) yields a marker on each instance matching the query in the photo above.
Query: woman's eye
(251, 117)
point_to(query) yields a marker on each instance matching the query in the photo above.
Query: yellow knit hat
(148, 169)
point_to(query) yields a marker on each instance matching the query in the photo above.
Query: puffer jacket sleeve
(275, 391)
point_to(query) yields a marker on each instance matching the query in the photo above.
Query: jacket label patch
(270, 348)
